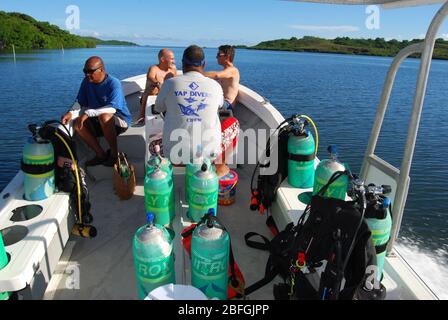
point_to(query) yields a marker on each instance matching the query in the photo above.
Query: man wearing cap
(191, 102)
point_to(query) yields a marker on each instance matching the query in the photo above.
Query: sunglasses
(220, 55)
(91, 71)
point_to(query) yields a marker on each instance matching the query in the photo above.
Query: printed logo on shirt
(193, 86)
(190, 100)
(202, 105)
(187, 110)
(190, 94)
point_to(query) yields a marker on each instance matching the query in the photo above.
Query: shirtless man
(229, 77)
(157, 74)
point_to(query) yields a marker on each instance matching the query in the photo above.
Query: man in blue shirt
(103, 111)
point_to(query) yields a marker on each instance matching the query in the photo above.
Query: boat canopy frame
(372, 162)
(386, 4)
(426, 48)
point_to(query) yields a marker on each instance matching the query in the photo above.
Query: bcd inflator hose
(80, 228)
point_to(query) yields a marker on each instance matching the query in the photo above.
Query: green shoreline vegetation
(345, 45)
(26, 33)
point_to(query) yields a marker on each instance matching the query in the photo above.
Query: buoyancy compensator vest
(69, 177)
(327, 255)
(65, 179)
(272, 169)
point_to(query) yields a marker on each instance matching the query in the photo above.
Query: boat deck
(102, 268)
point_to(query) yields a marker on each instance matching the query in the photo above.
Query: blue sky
(212, 22)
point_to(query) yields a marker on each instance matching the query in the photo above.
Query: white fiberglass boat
(47, 262)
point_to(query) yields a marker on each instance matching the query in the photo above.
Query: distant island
(345, 45)
(25, 33)
(110, 42)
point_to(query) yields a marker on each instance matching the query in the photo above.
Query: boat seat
(35, 234)
(290, 203)
(287, 207)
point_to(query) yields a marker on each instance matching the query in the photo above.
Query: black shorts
(95, 122)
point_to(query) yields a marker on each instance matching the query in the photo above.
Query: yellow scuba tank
(38, 167)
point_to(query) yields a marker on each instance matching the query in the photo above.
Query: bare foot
(222, 170)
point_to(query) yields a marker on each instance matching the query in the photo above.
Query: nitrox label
(158, 200)
(209, 267)
(203, 199)
(153, 270)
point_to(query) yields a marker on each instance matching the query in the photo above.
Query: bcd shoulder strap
(279, 253)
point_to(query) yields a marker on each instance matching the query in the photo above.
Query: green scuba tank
(193, 167)
(325, 170)
(203, 193)
(156, 159)
(153, 257)
(301, 155)
(210, 246)
(159, 196)
(3, 262)
(380, 227)
(38, 168)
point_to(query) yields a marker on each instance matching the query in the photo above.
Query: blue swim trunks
(227, 105)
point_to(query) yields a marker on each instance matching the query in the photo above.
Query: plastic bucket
(176, 292)
(227, 188)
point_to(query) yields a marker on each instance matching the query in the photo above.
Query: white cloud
(325, 28)
(444, 36)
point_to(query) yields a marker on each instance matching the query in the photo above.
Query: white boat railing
(372, 162)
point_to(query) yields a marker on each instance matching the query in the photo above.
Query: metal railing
(427, 49)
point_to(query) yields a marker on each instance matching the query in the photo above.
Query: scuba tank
(165, 164)
(38, 167)
(301, 155)
(70, 178)
(3, 262)
(159, 195)
(379, 220)
(193, 167)
(210, 247)
(153, 257)
(271, 175)
(203, 193)
(325, 170)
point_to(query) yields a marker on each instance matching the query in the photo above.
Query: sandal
(140, 121)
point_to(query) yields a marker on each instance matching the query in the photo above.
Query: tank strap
(301, 158)
(36, 168)
(381, 248)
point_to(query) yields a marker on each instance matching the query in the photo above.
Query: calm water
(339, 92)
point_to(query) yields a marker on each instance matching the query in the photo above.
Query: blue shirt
(107, 93)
